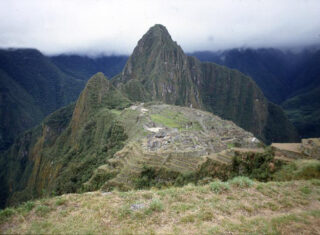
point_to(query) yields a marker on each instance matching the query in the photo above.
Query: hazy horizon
(100, 27)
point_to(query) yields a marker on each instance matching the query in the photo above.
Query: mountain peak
(155, 51)
(97, 78)
(158, 30)
(156, 37)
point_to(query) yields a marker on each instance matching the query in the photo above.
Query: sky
(115, 26)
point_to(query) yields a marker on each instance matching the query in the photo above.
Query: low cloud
(115, 26)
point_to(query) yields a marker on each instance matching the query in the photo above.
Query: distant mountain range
(34, 85)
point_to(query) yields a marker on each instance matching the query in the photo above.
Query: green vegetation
(299, 170)
(245, 168)
(219, 187)
(155, 206)
(241, 182)
(5, 214)
(154, 177)
(260, 166)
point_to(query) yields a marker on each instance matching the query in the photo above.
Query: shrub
(5, 214)
(241, 182)
(42, 210)
(260, 166)
(161, 177)
(60, 201)
(155, 206)
(219, 187)
(26, 207)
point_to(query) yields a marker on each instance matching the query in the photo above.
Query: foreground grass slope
(237, 206)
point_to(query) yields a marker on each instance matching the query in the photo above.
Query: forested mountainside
(31, 87)
(286, 78)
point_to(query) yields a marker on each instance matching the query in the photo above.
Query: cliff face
(158, 69)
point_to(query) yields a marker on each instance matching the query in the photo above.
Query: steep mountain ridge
(159, 70)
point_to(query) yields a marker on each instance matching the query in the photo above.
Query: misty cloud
(115, 26)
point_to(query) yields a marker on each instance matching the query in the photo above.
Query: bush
(155, 206)
(60, 201)
(42, 210)
(260, 166)
(241, 182)
(161, 177)
(28, 206)
(5, 214)
(219, 187)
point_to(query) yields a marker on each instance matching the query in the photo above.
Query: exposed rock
(311, 147)
(137, 206)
